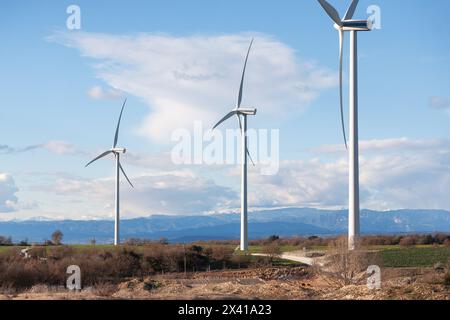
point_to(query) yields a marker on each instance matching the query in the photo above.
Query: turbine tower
(244, 112)
(353, 26)
(116, 152)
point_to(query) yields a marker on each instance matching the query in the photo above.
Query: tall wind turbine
(116, 152)
(244, 112)
(353, 26)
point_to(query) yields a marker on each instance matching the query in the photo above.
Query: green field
(421, 256)
(259, 249)
(8, 248)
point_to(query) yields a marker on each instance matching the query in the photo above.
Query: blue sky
(51, 125)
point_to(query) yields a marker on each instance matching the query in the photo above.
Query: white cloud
(60, 147)
(174, 192)
(394, 174)
(8, 190)
(98, 93)
(55, 146)
(183, 79)
(391, 145)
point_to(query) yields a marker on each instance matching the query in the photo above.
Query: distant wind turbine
(116, 151)
(352, 26)
(244, 112)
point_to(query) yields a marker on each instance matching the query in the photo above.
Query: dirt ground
(287, 283)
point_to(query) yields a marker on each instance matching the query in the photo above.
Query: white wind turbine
(352, 26)
(244, 112)
(116, 152)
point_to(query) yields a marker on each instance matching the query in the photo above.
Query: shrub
(220, 255)
(5, 241)
(447, 279)
(407, 241)
(273, 251)
(57, 237)
(345, 267)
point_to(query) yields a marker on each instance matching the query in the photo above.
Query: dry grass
(102, 266)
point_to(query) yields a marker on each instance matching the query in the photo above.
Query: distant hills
(282, 222)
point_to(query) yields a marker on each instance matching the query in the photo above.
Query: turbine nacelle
(246, 111)
(237, 112)
(119, 150)
(355, 25)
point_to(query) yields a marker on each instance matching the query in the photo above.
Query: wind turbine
(244, 112)
(353, 26)
(116, 152)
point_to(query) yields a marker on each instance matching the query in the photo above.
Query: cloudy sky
(179, 63)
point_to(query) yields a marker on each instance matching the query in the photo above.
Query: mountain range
(282, 222)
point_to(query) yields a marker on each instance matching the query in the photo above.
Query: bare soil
(287, 283)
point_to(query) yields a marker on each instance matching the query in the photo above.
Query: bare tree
(272, 251)
(344, 267)
(5, 241)
(57, 237)
(222, 254)
(163, 241)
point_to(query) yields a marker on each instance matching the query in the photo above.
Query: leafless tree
(272, 251)
(344, 267)
(57, 237)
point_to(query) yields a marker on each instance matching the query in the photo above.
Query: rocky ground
(299, 283)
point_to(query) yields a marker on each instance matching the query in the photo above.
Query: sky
(179, 65)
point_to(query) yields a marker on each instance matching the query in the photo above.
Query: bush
(220, 255)
(273, 251)
(5, 241)
(407, 241)
(126, 263)
(447, 279)
(346, 267)
(57, 237)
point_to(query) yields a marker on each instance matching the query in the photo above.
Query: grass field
(421, 256)
(7, 248)
(259, 249)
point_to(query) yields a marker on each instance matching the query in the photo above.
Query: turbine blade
(341, 98)
(239, 122)
(240, 127)
(331, 11)
(228, 116)
(351, 10)
(126, 177)
(104, 154)
(241, 88)
(250, 157)
(116, 137)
